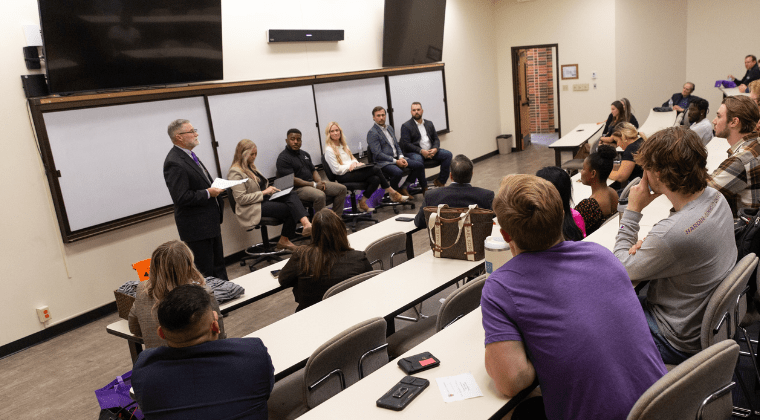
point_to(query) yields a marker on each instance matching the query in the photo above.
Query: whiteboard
(264, 116)
(425, 88)
(111, 158)
(350, 104)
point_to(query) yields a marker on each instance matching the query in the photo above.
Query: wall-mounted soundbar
(304, 35)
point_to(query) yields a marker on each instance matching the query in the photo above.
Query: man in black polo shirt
(752, 74)
(306, 180)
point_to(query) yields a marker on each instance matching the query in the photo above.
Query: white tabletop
(578, 135)
(364, 237)
(460, 348)
(656, 121)
(732, 91)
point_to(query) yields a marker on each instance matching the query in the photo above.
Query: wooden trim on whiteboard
(40, 106)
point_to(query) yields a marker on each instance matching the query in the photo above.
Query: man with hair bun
(738, 177)
(686, 255)
(555, 312)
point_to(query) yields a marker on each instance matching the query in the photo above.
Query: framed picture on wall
(569, 71)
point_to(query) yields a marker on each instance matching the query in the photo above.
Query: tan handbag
(458, 233)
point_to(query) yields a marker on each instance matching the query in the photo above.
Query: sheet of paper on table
(226, 183)
(458, 388)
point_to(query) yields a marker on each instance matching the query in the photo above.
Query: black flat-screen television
(413, 32)
(111, 44)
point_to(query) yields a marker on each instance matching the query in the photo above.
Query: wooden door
(523, 99)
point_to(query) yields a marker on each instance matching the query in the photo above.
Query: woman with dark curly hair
(603, 201)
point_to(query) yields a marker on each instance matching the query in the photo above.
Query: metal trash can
(504, 143)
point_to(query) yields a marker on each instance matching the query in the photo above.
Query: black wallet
(403, 393)
(418, 363)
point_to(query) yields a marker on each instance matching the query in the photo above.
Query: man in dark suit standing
(419, 141)
(387, 154)
(198, 209)
(459, 194)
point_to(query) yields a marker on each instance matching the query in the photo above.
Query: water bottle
(670, 103)
(361, 151)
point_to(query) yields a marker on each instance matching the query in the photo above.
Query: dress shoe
(287, 247)
(396, 197)
(438, 183)
(306, 231)
(403, 191)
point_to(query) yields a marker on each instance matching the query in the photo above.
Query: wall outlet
(564, 87)
(43, 313)
(580, 87)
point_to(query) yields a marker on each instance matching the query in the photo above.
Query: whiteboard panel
(111, 158)
(264, 117)
(350, 104)
(425, 88)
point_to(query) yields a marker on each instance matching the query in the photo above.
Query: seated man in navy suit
(419, 141)
(387, 154)
(459, 194)
(198, 376)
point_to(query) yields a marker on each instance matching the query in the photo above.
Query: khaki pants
(334, 192)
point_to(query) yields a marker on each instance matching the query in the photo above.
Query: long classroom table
(571, 141)
(260, 283)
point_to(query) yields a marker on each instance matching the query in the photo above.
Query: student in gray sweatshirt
(685, 255)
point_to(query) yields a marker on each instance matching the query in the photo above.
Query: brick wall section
(541, 90)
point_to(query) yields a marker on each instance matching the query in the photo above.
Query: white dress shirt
(424, 139)
(390, 141)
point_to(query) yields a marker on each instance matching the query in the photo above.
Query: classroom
(641, 49)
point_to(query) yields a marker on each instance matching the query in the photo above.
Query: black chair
(387, 202)
(263, 251)
(355, 215)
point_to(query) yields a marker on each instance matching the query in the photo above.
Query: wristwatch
(315, 184)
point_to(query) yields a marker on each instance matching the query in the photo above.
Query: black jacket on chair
(197, 216)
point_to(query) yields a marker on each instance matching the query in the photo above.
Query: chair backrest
(350, 282)
(624, 195)
(344, 360)
(328, 171)
(460, 302)
(231, 199)
(383, 250)
(700, 387)
(718, 323)
(593, 142)
(143, 269)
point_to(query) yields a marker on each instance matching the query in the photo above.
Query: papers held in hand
(284, 184)
(226, 183)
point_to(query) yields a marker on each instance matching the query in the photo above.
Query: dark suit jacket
(382, 153)
(455, 195)
(677, 98)
(197, 216)
(410, 136)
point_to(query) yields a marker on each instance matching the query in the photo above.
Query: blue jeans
(443, 156)
(394, 174)
(670, 355)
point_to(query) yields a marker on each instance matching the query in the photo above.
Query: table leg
(557, 157)
(135, 349)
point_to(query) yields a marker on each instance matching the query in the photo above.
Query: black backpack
(747, 234)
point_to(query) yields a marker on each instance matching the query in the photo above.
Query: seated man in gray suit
(459, 194)
(387, 154)
(198, 376)
(420, 142)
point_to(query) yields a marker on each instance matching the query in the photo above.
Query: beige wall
(585, 33)
(717, 44)
(75, 278)
(650, 52)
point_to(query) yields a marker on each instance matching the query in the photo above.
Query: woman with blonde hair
(327, 261)
(171, 265)
(252, 198)
(347, 169)
(630, 140)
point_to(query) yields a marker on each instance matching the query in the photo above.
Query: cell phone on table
(398, 397)
(405, 219)
(275, 273)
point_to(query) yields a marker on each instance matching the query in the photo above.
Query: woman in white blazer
(347, 169)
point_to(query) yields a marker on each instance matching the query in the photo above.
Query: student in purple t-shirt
(564, 312)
